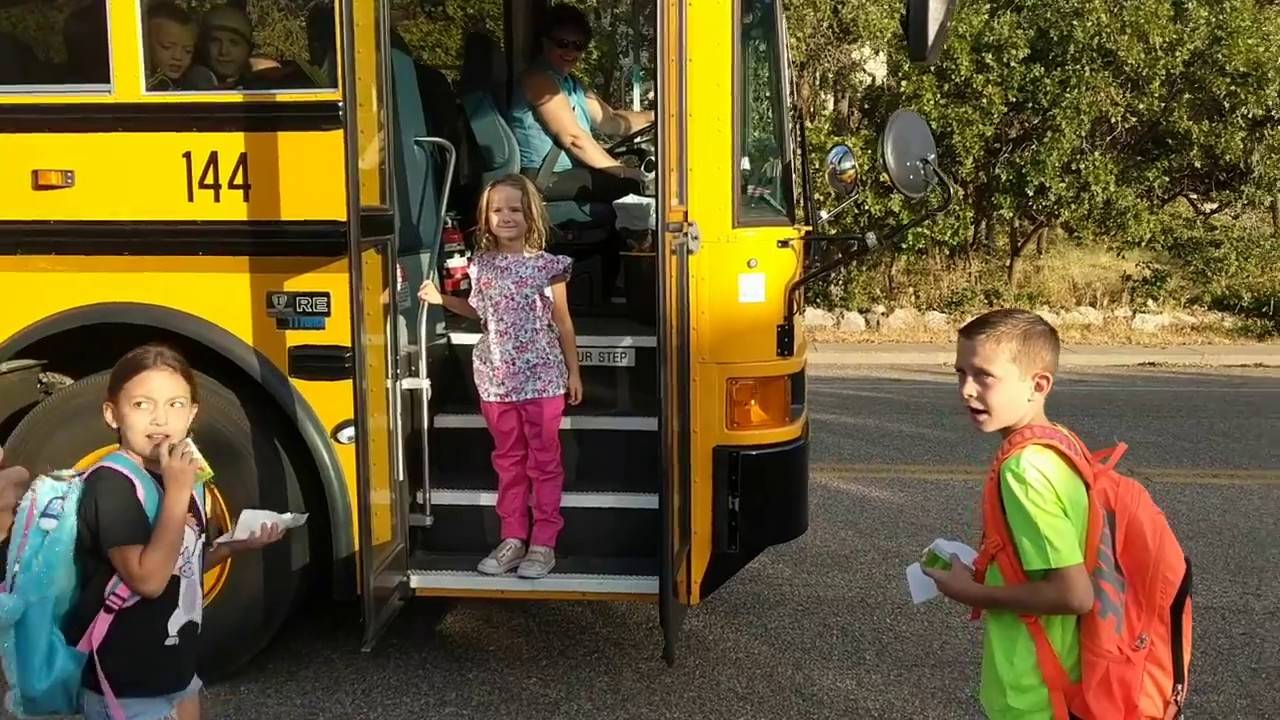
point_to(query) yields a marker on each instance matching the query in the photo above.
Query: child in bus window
(226, 36)
(525, 366)
(145, 666)
(171, 45)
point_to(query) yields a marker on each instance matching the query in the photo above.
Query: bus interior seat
(445, 119)
(417, 177)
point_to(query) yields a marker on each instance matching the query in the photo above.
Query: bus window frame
(231, 94)
(782, 106)
(106, 89)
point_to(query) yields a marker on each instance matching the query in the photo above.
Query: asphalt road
(821, 628)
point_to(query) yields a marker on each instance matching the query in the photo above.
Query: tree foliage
(1101, 120)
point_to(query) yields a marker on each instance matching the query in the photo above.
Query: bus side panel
(190, 177)
(234, 292)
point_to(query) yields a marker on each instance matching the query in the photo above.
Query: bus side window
(245, 46)
(35, 56)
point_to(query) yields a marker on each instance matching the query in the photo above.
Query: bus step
(477, 529)
(455, 573)
(619, 367)
(489, 498)
(594, 460)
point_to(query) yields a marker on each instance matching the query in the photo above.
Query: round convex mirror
(905, 143)
(842, 170)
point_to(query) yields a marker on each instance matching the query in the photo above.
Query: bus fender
(254, 364)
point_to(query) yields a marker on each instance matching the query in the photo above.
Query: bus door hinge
(686, 234)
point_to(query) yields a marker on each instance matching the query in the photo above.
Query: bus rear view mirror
(842, 171)
(925, 24)
(842, 176)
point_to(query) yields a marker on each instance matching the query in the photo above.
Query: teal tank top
(532, 138)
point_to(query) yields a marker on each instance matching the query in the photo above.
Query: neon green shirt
(1048, 511)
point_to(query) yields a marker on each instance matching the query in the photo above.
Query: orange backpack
(1135, 644)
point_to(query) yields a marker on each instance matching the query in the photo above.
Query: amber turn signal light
(758, 403)
(52, 179)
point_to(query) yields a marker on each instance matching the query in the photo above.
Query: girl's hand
(13, 485)
(574, 392)
(178, 467)
(267, 534)
(429, 293)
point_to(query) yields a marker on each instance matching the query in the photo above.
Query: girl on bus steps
(148, 655)
(525, 367)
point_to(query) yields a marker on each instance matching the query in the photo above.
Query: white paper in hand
(921, 586)
(251, 521)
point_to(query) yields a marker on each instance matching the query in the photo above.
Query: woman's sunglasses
(565, 44)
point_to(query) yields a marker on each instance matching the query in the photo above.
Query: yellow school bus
(270, 219)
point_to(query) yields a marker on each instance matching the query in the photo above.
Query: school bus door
(678, 237)
(382, 488)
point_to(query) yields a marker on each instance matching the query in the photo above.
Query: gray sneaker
(537, 562)
(507, 555)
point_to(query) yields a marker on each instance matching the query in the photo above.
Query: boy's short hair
(1032, 342)
(171, 11)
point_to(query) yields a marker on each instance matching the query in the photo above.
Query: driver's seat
(579, 221)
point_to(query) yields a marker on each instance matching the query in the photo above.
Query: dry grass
(1067, 276)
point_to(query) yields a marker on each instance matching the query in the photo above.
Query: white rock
(873, 320)
(818, 318)
(880, 310)
(1151, 322)
(1186, 319)
(901, 319)
(1088, 315)
(1122, 312)
(1050, 317)
(851, 321)
(935, 320)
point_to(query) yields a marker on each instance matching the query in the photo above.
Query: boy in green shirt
(1005, 363)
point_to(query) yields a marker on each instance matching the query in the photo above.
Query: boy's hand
(956, 583)
(267, 534)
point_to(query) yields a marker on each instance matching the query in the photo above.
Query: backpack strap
(118, 595)
(998, 546)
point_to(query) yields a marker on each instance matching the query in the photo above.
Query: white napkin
(250, 521)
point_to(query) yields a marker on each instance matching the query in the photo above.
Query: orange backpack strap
(998, 544)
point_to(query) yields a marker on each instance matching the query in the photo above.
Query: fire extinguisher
(454, 258)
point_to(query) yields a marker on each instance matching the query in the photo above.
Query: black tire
(237, 437)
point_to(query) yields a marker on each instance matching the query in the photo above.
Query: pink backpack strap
(117, 597)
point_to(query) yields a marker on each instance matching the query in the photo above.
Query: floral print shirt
(518, 356)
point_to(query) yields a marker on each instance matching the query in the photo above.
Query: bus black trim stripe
(322, 238)
(260, 116)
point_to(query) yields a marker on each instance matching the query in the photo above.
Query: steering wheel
(638, 149)
(650, 129)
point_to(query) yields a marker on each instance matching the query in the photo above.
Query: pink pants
(526, 456)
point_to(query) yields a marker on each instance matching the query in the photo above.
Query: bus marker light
(758, 403)
(52, 179)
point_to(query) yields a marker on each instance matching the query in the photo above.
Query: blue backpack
(42, 668)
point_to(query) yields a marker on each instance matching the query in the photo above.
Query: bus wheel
(248, 598)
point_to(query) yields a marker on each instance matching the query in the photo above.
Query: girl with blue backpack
(130, 623)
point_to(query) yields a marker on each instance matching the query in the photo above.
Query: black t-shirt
(150, 648)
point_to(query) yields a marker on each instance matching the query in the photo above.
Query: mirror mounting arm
(858, 245)
(827, 217)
